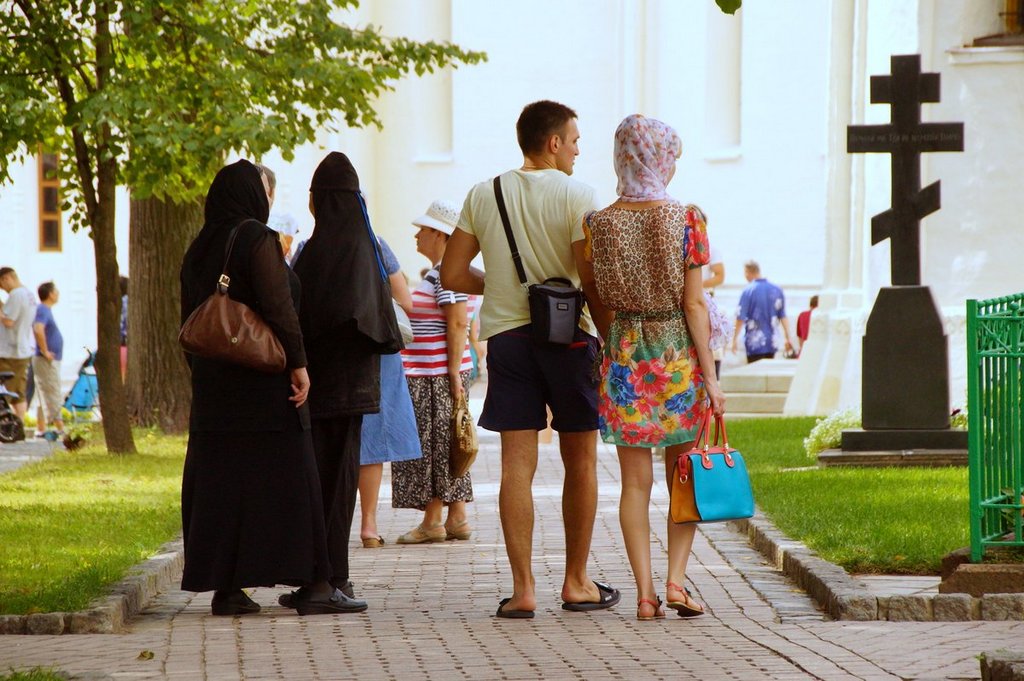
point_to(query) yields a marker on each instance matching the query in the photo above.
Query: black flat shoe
(336, 603)
(288, 600)
(231, 603)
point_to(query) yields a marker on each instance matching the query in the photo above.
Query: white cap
(442, 216)
(284, 223)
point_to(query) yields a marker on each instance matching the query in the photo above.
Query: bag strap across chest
(503, 212)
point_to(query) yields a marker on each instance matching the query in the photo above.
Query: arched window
(49, 203)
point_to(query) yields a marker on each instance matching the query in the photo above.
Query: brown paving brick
(431, 617)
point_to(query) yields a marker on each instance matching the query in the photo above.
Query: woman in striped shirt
(437, 365)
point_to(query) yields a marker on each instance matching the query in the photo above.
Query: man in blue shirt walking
(760, 304)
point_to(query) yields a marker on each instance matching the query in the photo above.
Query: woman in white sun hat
(437, 365)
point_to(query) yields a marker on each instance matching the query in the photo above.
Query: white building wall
(753, 97)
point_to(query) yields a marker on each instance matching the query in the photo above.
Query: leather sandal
(659, 614)
(373, 542)
(423, 535)
(686, 607)
(461, 531)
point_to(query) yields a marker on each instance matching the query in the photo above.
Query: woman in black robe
(347, 321)
(250, 495)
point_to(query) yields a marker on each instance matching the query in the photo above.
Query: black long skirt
(251, 510)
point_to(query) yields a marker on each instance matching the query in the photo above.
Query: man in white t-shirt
(546, 209)
(17, 344)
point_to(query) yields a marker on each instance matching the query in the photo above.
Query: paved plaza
(431, 616)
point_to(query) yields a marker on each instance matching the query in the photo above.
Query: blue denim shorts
(524, 376)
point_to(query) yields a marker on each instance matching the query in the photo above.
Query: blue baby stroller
(83, 400)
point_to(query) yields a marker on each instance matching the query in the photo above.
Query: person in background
(46, 363)
(17, 345)
(287, 227)
(761, 303)
(250, 496)
(390, 434)
(124, 327)
(437, 364)
(803, 324)
(477, 349)
(348, 322)
(714, 275)
(647, 250)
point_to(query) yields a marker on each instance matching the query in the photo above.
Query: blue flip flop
(609, 597)
(512, 614)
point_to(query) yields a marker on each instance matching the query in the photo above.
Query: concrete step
(764, 383)
(768, 375)
(755, 402)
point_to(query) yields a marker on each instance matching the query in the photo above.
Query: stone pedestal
(905, 382)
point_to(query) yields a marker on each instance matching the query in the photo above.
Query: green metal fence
(995, 378)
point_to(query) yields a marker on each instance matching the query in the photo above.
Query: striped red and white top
(427, 355)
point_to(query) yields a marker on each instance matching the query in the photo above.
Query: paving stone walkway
(16, 454)
(431, 617)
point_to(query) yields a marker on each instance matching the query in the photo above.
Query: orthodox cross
(905, 138)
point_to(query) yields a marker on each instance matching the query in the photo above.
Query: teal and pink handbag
(711, 483)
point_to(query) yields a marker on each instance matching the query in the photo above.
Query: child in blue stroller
(83, 399)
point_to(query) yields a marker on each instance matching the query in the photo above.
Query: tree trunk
(116, 426)
(159, 388)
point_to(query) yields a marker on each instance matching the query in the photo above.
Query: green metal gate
(995, 378)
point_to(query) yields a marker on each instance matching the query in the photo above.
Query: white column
(837, 324)
(432, 93)
(634, 55)
(722, 101)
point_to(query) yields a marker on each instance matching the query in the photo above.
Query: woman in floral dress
(647, 251)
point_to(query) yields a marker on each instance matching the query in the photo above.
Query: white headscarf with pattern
(645, 153)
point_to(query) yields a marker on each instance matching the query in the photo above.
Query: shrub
(827, 433)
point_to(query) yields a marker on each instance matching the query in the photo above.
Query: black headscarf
(344, 285)
(236, 194)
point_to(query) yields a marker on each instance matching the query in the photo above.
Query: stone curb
(1002, 665)
(845, 598)
(108, 614)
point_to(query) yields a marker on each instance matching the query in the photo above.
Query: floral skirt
(652, 388)
(414, 483)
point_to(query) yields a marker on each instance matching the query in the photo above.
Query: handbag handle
(703, 444)
(225, 281)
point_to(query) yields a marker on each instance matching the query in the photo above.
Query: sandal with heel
(659, 614)
(686, 607)
(462, 531)
(423, 535)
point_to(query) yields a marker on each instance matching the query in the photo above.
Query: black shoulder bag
(555, 305)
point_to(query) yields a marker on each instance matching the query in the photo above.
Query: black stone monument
(905, 370)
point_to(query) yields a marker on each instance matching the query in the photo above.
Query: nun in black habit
(347, 321)
(251, 508)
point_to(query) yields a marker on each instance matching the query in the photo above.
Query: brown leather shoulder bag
(230, 331)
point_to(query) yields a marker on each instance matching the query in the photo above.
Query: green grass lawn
(36, 674)
(74, 523)
(868, 520)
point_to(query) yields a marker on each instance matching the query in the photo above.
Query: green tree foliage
(152, 94)
(729, 6)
